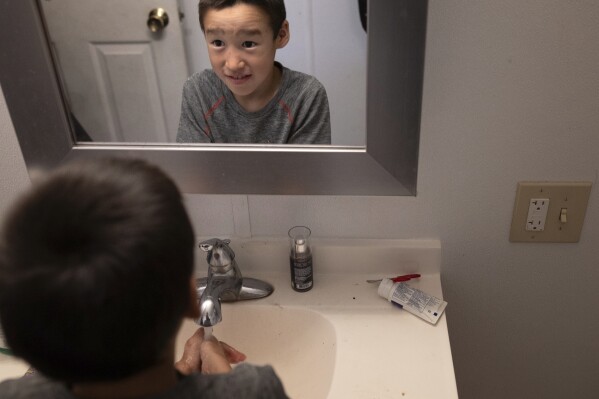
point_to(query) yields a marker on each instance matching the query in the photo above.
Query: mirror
(387, 165)
(123, 78)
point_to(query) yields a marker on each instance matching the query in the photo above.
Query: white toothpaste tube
(419, 303)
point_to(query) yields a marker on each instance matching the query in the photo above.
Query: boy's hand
(209, 356)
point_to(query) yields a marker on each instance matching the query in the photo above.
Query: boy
(96, 276)
(247, 97)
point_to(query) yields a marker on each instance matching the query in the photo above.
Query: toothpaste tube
(419, 303)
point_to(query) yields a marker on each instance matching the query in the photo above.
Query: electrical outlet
(537, 214)
(549, 211)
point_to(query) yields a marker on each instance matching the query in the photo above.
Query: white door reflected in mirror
(122, 80)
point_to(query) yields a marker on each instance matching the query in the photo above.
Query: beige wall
(13, 174)
(511, 94)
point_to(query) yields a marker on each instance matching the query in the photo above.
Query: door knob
(157, 20)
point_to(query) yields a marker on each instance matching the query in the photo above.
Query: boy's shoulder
(246, 381)
(298, 86)
(296, 81)
(297, 76)
(33, 387)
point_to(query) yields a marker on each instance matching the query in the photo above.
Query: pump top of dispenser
(300, 246)
(300, 240)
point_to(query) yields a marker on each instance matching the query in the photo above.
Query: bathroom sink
(299, 343)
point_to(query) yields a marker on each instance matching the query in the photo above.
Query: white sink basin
(299, 343)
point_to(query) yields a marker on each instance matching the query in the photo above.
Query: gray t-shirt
(244, 382)
(297, 114)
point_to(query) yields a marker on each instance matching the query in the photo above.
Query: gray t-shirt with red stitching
(297, 114)
(244, 382)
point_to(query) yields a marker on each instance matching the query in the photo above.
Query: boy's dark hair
(275, 9)
(95, 267)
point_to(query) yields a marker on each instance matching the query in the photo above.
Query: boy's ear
(193, 307)
(283, 36)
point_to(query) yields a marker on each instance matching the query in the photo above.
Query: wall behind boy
(510, 94)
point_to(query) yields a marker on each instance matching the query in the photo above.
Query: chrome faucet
(224, 282)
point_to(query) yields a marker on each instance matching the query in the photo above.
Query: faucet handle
(219, 254)
(208, 245)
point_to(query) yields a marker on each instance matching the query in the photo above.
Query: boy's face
(242, 49)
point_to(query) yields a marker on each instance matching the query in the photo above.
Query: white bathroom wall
(511, 93)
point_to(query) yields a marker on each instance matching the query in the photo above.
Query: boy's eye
(248, 44)
(218, 43)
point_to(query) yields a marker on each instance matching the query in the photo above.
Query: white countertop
(11, 367)
(382, 351)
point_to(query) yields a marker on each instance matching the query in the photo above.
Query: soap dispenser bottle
(300, 259)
